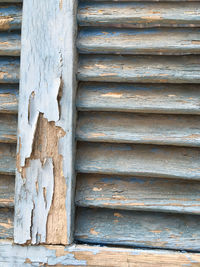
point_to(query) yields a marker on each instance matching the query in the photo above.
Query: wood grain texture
(7, 189)
(178, 130)
(9, 70)
(140, 14)
(7, 159)
(137, 193)
(10, 44)
(156, 98)
(138, 160)
(144, 69)
(152, 230)
(154, 41)
(6, 223)
(8, 130)
(45, 155)
(10, 17)
(85, 255)
(8, 99)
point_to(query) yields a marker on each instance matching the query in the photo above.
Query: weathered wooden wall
(138, 124)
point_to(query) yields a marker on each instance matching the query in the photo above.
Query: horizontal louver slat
(137, 193)
(6, 223)
(139, 160)
(9, 70)
(7, 159)
(156, 98)
(139, 41)
(7, 185)
(9, 99)
(179, 130)
(140, 229)
(144, 69)
(8, 130)
(10, 17)
(9, 44)
(138, 14)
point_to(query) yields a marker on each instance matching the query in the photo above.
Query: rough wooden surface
(178, 130)
(45, 158)
(8, 99)
(138, 14)
(139, 160)
(137, 193)
(156, 98)
(139, 41)
(6, 223)
(152, 230)
(84, 255)
(10, 17)
(7, 188)
(7, 159)
(9, 70)
(144, 69)
(10, 44)
(8, 130)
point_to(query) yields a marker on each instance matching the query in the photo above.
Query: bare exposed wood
(137, 193)
(178, 130)
(84, 255)
(7, 188)
(153, 230)
(139, 41)
(7, 159)
(8, 130)
(10, 44)
(9, 70)
(139, 160)
(144, 69)
(10, 17)
(45, 158)
(6, 223)
(166, 98)
(138, 14)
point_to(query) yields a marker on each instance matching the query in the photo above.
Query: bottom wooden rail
(84, 255)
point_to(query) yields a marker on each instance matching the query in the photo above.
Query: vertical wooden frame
(45, 175)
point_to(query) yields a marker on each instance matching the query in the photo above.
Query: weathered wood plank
(139, 41)
(9, 70)
(137, 193)
(140, 229)
(46, 140)
(84, 255)
(8, 99)
(8, 129)
(178, 130)
(132, 14)
(7, 159)
(11, 1)
(7, 188)
(144, 69)
(10, 44)
(6, 223)
(166, 98)
(139, 160)
(10, 17)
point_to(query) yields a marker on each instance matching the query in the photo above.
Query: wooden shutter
(138, 131)
(10, 25)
